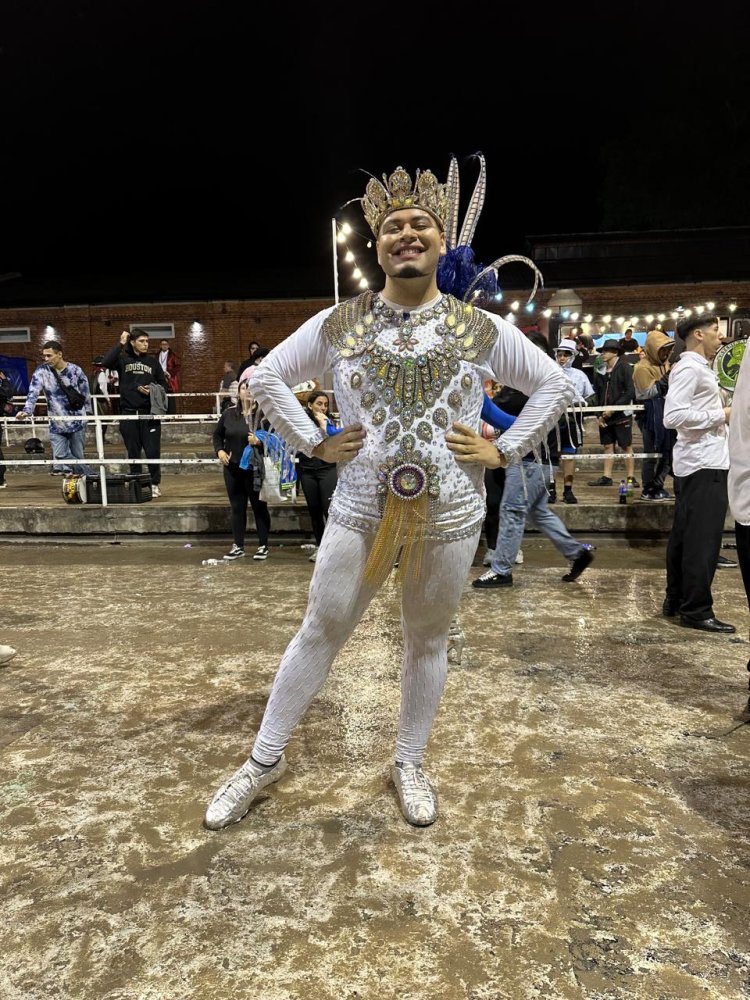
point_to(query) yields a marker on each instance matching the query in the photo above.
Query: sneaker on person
(655, 496)
(313, 555)
(155, 492)
(3, 485)
(551, 493)
(235, 796)
(601, 481)
(235, 553)
(724, 563)
(569, 496)
(417, 797)
(519, 558)
(6, 654)
(584, 558)
(490, 579)
(262, 552)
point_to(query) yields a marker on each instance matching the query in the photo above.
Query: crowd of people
(401, 484)
(409, 462)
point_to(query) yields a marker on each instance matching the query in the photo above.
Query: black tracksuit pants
(239, 484)
(318, 483)
(742, 534)
(695, 541)
(494, 482)
(655, 470)
(142, 436)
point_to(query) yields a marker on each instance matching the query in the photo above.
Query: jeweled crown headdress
(397, 192)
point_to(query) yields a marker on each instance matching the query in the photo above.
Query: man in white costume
(408, 368)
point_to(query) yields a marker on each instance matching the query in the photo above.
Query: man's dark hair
(52, 345)
(261, 353)
(686, 326)
(137, 332)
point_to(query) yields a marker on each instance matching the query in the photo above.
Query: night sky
(195, 137)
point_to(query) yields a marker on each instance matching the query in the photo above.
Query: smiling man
(694, 409)
(408, 366)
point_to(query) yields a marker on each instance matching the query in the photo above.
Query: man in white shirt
(693, 408)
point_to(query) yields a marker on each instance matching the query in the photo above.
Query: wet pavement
(591, 761)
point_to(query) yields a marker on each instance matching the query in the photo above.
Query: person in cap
(613, 384)
(408, 366)
(571, 427)
(693, 408)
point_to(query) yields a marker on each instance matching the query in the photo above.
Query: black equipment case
(120, 489)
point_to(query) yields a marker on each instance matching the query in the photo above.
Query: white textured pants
(338, 599)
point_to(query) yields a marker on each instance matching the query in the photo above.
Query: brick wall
(86, 331)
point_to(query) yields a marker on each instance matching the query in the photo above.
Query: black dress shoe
(707, 625)
(670, 608)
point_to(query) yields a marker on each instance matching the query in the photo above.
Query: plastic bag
(272, 489)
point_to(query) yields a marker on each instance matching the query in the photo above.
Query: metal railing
(100, 421)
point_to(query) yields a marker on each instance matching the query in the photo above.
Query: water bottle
(630, 496)
(623, 492)
(212, 562)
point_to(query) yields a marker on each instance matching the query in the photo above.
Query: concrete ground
(591, 760)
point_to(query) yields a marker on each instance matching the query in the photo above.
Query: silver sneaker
(418, 798)
(234, 798)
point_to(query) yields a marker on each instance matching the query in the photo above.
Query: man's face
(51, 357)
(608, 355)
(409, 244)
(164, 346)
(711, 340)
(140, 344)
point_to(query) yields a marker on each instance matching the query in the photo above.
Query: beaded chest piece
(403, 388)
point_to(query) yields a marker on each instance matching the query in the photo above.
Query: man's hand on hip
(341, 447)
(468, 446)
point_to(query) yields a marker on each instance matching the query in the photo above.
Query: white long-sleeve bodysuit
(406, 380)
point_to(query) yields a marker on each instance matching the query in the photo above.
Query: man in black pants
(694, 409)
(137, 372)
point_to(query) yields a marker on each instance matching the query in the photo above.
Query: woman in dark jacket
(318, 478)
(231, 437)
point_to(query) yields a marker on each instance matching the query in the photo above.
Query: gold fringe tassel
(404, 524)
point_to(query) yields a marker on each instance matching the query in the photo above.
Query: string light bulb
(710, 306)
(732, 306)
